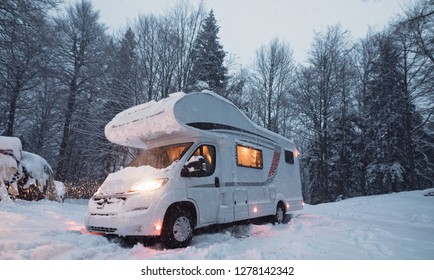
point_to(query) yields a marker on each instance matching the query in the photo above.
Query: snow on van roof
(144, 122)
(180, 113)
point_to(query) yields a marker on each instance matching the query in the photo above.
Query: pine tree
(208, 58)
(386, 102)
(125, 83)
(124, 90)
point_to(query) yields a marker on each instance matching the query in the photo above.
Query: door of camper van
(202, 179)
(252, 195)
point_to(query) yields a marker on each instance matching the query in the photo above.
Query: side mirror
(194, 168)
(185, 172)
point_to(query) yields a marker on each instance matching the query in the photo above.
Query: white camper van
(202, 162)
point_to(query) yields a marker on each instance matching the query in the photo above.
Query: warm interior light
(249, 157)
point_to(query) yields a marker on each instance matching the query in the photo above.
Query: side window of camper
(289, 157)
(249, 157)
(203, 161)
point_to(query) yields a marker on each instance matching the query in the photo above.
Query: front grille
(115, 196)
(98, 214)
(102, 229)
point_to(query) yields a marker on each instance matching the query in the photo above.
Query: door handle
(217, 182)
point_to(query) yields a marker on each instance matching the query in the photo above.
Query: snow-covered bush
(25, 175)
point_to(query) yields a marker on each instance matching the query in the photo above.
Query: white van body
(224, 169)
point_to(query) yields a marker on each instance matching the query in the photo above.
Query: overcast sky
(245, 25)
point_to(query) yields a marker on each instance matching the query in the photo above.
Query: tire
(280, 215)
(178, 229)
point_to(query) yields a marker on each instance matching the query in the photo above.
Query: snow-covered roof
(180, 113)
(139, 124)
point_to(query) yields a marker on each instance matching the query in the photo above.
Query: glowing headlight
(148, 185)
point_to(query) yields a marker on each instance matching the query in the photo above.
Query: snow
(8, 167)
(122, 180)
(147, 123)
(10, 155)
(397, 226)
(144, 122)
(36, 166)
(11, 144)
(60, 189)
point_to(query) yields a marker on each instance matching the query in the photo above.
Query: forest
(361, 111)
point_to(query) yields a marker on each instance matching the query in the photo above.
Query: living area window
(249, 157)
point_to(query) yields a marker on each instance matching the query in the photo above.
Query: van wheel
(279, 217)
(177, 229)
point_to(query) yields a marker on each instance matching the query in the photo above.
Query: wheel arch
(282, 202)
(182, 205)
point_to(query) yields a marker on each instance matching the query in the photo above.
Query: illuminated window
(249, 157)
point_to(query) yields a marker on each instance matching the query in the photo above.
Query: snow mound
(11, 146)
(36, 166)
(429, 193)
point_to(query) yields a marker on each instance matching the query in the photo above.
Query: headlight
(148, 185)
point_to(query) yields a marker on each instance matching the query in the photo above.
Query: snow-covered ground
(398, 226)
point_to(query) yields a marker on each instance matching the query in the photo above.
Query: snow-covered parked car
(25, 175)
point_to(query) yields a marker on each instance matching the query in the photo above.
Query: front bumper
(138, 223)
(124, 216)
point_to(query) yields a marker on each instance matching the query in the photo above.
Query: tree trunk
(12, 111)
(63, 162)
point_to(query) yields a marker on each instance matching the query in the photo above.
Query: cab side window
(203, 162)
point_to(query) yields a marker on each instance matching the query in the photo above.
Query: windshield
(160, 157)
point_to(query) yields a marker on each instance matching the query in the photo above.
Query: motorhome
(201, 161)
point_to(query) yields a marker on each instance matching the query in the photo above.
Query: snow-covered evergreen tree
(208, 58)
(385, 105)
(125, 83)
(124, 89)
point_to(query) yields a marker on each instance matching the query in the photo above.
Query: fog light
(157, 227)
